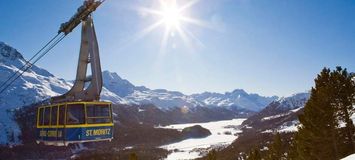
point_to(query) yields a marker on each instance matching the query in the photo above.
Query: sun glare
(173, 16)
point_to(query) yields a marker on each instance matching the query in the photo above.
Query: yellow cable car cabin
(77, 116)
(75, 122)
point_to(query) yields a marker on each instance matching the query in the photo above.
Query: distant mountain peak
(111, 75)
(113, 82)
(294, 101)
(297, 96)
(239, 91)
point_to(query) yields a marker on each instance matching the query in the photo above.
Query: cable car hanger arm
(83, 12)
(89, 53)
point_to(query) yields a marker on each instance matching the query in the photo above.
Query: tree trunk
(349, 129)
(335, 148)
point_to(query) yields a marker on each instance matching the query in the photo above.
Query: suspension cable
(29, 65)
(65, 28)
(28, 62)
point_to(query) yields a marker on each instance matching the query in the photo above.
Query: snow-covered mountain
(162, 98)
(293, 102)
(238, 98)
(280, 115)
(34, 85)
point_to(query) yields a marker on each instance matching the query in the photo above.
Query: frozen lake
(188, 148)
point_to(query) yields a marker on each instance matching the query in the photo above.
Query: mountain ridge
(238, 98)
(37, 84)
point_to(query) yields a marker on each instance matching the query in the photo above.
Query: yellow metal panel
(89, 125)
(50, 115)
(99, 117)
(79, 125)
(38, 109)
(57, 115)
(65, 114)
(85, 114)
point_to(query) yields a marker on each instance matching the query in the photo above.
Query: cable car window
(75, 114)
(98, 113)
(54, 115)
(47, 113)
(61, 115)
(40, 117)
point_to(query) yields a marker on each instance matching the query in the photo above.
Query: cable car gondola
(74, 122)
(78, 116)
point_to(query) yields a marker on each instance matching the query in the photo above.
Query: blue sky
(270, 47)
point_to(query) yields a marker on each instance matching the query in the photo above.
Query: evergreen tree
(317, 137)
(321, 134)
(299, 150)
(344, 91)
(275, 149)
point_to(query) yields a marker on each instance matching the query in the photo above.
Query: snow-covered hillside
(33, 86)
(350, 157)
(293, 102)
(280, 115)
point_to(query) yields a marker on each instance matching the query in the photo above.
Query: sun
(171, 16)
